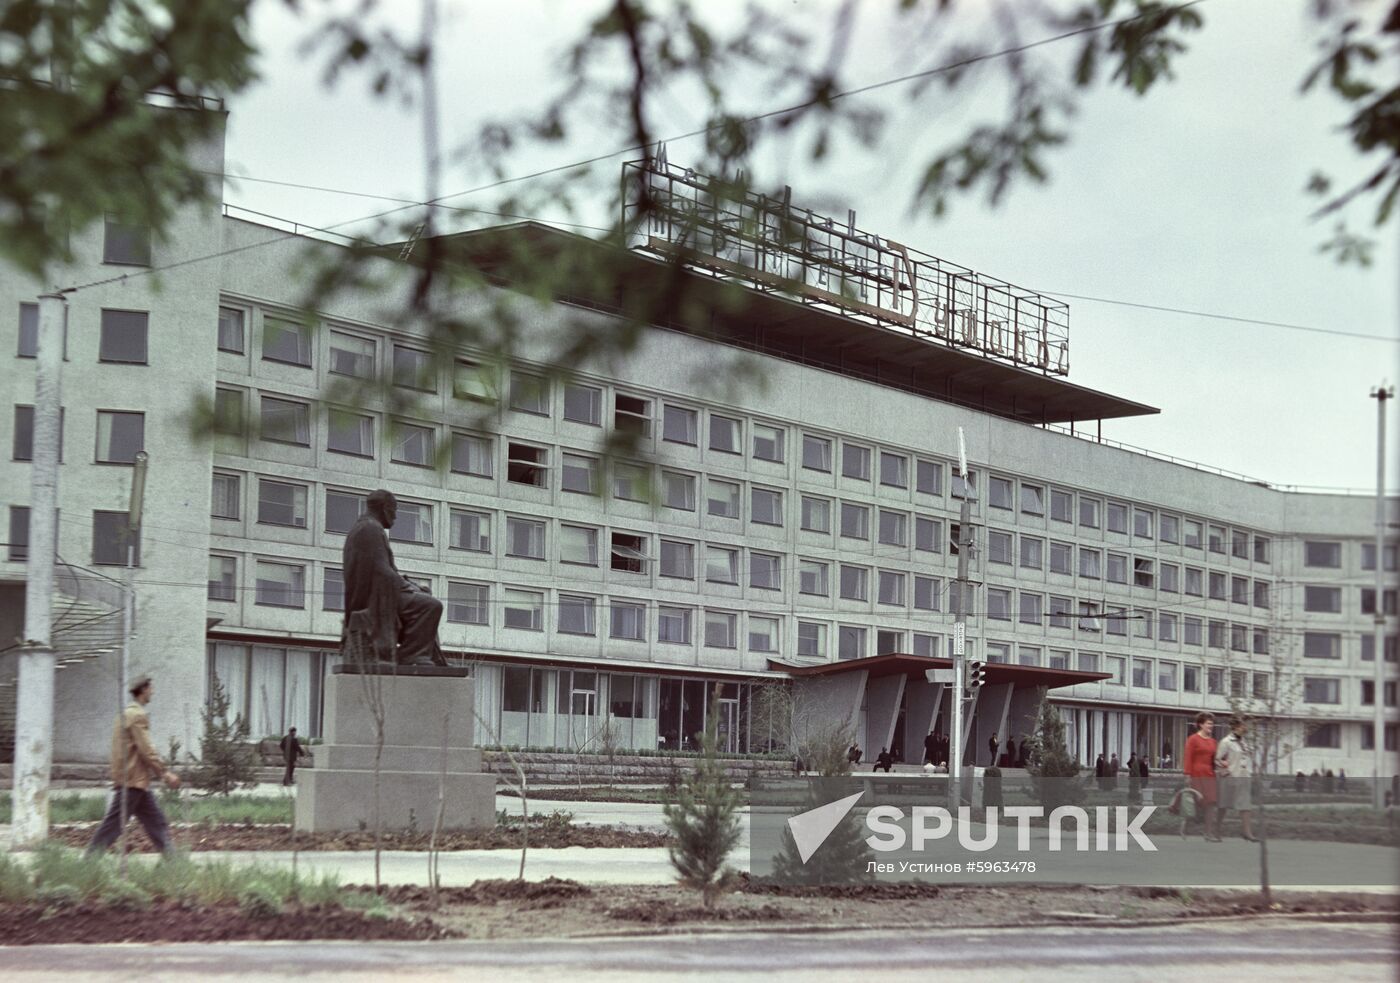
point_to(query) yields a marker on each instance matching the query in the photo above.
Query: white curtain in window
(487, 680)
(231, 669)
(266, 688)
(299, 712)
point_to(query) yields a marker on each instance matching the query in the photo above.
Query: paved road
(1237, 951)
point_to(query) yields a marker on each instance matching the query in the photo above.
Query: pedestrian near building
(135, 764)
(992, 745)
(1235, 771)
(1200, 770)
(291, 751)
(931, 748)
(884, 760)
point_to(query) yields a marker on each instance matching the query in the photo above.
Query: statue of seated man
(402, 618)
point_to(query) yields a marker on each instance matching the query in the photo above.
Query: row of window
(1327, 555)
(1328, 645)
(121, 434)
(1321, 599)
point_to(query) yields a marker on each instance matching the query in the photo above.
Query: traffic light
(976, 674)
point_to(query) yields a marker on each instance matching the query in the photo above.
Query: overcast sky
(1191, 198)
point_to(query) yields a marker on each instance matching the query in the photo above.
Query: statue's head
(383, 506)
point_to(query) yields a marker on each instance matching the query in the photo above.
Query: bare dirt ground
(249, 836)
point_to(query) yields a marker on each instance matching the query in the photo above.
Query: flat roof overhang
(722, 310)
(913, 666)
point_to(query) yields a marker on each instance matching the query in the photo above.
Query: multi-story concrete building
(803, 529)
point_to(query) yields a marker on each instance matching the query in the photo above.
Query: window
(1239, 638)
(1261, 549)
(1117, 622)
(1117, 514)
(998, 547)
(1191, 538)
(1142, 673)
(888, 642)
(1191, 679)
(928, 593)
(855, 583)
(414, 524)
(470, 531)
(350, 433)
(1215, 539)
(1142, 572)
(1191, 631)
(1142, 524)
(680, 426)
(816, 514)
(471, 380)
(333, 589)
(1215, 682)
(928, 477)
(1170, 577)
(855, 461)
(281, 503)
(765, 571)
(1239, 590)
(1088, 616)
(677, 559)
(1368, 648)
(526, 465)
(723, 498)
(351, 355)
(226, 497)
(1088, 563)
(1368, 601)
(767, 443)
(811, 639)
(524, 538)
(855, 521)
(471, 455)
(1368, 556)
(1089, 512)
(578, 545)
(894, 528)
(1032, 608)
(632, 414)
(766, 506)
(627, 620)
(119, 436)
(673, 625)
(1327, 555)
(816, 453)
(1117, 668)
(965, 486)
(998, 604)
(890, 589)
(721, 629)
(678, 491)
(342, 509)
(1322, 645)
(280, 585)
(230, 330)
(282, 421)
(1117, 568)
(1166, 627)
(928, 534)
(1217, 586)
(1261, 641)
(814, 577)
(1166, 676)
(1239, 544)
(1368, 693)
(1060, 558)
(223, 579)
(1323, 735)
(529, 394)
(763, 634)
(724, 436)
(583, 404)
(894, 470)
(578, 473)
(628, 553)
(998, 652)
(926, 645)
(524, 609)
(1326, 600)
(721, 565)
(286, 341)
(1169, 528)
(577, 615)
(126, 243)
(1060, 608)
(29, 332)
(1320, 689)
(1215, 636)
(1032, 500)
(1194, 576)
(850, 642)
(414, 445)
(1031, 552)
(999, 493)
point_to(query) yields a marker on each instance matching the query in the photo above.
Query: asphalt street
(1239, 951)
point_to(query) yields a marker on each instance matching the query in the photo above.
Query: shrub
(227, 760)
(1054, 773)
(54, 866)
(15, 882)
(703, 820)
(125, 895)
(259, 899)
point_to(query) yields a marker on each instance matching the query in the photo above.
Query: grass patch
(186, 809)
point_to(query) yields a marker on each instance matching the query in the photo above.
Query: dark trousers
(141, 805)
(419, 615)
(288, 775)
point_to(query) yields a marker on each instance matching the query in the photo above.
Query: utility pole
(34, 698)
(960, 606)
(1380, 394)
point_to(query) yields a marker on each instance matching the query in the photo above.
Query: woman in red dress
(1200, 770)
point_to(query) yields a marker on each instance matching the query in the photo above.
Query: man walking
(135, 764)
(291, 750)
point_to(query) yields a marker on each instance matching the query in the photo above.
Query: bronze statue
(395, 619)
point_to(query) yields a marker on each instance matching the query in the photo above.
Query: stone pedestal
(423, 710)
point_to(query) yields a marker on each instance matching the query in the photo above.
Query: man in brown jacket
(135, 764)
